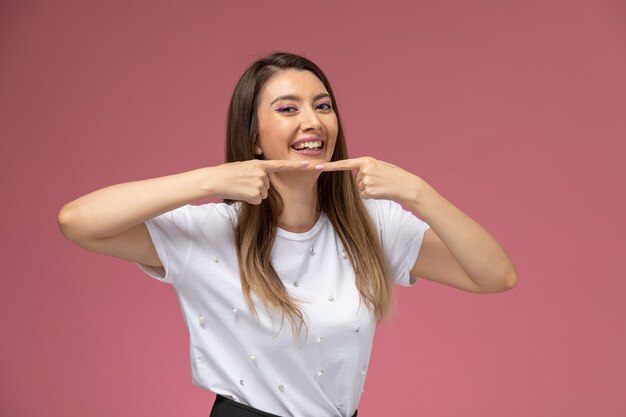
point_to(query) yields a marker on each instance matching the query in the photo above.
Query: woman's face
(296, 118)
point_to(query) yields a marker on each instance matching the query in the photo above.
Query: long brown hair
(255, 231)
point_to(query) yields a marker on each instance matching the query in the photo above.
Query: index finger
(343, 165)
(280, 165)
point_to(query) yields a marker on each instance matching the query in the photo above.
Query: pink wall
(514, 110)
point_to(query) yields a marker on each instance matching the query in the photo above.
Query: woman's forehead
(292, 82)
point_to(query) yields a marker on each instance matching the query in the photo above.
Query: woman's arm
(111, 220)
(456, 251)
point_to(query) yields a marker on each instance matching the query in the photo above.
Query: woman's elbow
(510, 280)
(506, 282)
(68, 220)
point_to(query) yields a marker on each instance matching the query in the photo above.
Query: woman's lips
(307, 151)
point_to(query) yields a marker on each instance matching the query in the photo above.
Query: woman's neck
(300, 205)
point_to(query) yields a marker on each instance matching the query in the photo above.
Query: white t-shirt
(256, 362)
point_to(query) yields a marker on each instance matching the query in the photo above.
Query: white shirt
(256, 362)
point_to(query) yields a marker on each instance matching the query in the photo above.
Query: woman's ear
(257, 150)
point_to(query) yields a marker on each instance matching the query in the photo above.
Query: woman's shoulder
(388, 213)
(380, 207)
(203, 215)
(214, 212)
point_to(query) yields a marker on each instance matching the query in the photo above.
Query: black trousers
(225, 407)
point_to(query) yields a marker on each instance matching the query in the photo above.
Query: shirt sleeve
(401, 235)
(171, 236)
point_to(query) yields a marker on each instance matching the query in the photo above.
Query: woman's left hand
(379, 180)
(457, 251)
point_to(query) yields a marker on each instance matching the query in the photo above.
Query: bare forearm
(480, 255)
(112, 210)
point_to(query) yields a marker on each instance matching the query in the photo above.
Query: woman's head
(253, 115)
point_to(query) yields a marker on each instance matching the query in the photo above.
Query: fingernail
(304, 163)
(321, 166)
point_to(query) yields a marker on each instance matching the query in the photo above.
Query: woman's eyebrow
(297, 98)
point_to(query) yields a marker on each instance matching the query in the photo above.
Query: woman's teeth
(308, 145)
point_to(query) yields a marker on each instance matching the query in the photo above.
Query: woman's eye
(286, 109)
(324, 106)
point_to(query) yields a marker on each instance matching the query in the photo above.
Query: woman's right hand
(111, 220)
(247, 180)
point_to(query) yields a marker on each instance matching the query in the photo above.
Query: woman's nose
(310, 120)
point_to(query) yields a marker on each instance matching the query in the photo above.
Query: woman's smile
(313, 145)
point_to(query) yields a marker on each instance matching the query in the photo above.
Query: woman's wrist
(209, 182)
(205, 182)
(422, 198)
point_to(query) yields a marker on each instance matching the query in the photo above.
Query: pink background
(513, 110)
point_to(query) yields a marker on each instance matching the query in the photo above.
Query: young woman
(282, 285)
